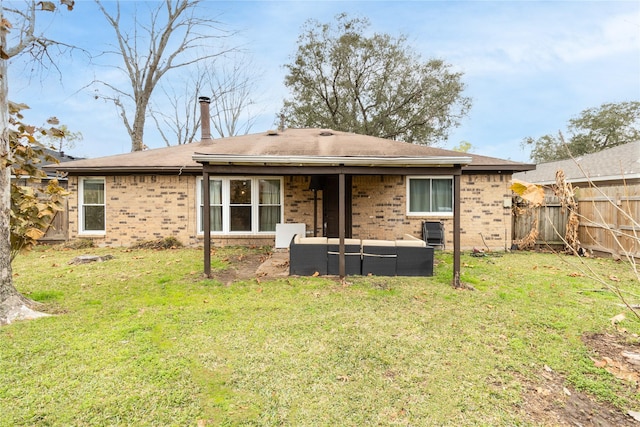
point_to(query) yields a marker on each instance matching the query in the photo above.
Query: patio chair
(433, 233)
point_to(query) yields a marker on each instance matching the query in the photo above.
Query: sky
(529, 66)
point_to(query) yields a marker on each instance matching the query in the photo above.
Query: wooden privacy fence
(550, 219)
(59, 230)
(608, 223)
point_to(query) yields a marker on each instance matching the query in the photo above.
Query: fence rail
(607, 223)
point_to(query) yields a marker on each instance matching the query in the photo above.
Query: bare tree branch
(173, 36)
(231, 86)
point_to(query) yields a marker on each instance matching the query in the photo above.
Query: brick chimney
(205, 117)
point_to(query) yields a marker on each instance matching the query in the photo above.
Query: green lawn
(143, 339)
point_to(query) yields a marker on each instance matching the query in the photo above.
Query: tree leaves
(47, 6)
(68, 3)
(34, 205)
(595, 129)
(532, 193)
(343, 80)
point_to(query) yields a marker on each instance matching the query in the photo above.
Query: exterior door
(331, 207)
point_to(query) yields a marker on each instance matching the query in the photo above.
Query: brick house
(290, 177)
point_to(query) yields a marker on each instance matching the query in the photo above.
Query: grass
(143, 339)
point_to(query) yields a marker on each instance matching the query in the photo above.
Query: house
(332, 183)
(261, 180)
(607, 187)
(607, 168)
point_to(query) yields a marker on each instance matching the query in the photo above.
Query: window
(242, 205)
(215, 203)
(428, 196)
(92, 205)
(269, 209)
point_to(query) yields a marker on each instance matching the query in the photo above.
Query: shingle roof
(611, 164)
(289, 143)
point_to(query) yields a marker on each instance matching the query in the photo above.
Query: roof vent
(326, 133)
(272, 132)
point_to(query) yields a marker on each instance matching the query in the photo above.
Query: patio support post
(456, 231)
(315, 212)
(341, 223)
(206, 220)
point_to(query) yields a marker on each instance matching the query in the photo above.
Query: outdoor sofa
(410, 256)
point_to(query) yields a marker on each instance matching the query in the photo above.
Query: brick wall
(298, 203)
(483, 215)
(142, 207)
(146, 207)
(379, 209)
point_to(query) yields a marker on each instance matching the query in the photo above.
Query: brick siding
(147, 207)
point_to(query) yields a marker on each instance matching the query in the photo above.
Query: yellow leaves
(32, 210)
(68, 3)
(34, 233)
(47, 6)
(532, 193)
(15, 108)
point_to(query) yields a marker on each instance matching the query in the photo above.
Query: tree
(176, 36)
(24, 40)
(33, 205)
(233, 88)
(230, 86)
(344, 80)
(463, 147)
(63, 139)
(595, 129)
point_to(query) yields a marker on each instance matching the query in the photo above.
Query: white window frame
(81, 205)
(255, 205)
(428, 214)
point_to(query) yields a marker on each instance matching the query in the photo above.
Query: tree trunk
(13, 306)
(137, 136)
(6, 280)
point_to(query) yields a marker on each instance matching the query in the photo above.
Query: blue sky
(529, 66)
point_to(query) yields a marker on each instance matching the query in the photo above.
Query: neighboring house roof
(612, 164)
(292, 146)
(61, 156)
(46, 157)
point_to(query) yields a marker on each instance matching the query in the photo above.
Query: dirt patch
(551, 401)
(254, 266)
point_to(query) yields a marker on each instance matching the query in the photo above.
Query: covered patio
(336, 156)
